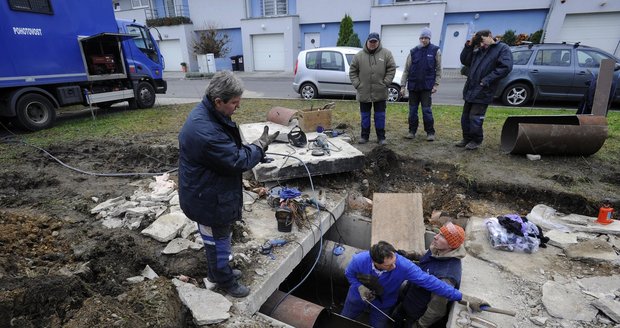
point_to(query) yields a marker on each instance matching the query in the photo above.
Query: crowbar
(487, 308)
(376, 308)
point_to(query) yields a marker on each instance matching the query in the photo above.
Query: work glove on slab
(473, 302)
(366, 293)
(266, 139)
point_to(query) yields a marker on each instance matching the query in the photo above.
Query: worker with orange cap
(421, 308)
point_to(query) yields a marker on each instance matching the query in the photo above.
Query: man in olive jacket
(371, 72)
(488, 63)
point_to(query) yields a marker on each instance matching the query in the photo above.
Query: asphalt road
(279, 85)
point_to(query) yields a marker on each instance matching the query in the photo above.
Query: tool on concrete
(267, 247)
(376, 308)
(494, 310)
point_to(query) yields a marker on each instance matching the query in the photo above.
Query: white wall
(288, 25)
(323, 11)
(455, 6)
(183, 33)
(424, 13)
(222, 13)
(559, 11)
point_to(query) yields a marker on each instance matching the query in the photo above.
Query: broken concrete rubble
(566, 301)
(610, 307)
(593, 251)
(206, 306)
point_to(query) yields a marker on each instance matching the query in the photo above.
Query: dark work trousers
(365, 108)
(417, 97)
(471, 121)
(217, 241)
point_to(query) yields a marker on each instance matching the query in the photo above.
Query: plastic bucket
(285, 225)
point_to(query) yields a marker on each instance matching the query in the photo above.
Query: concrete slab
(262, 225)
(548, 218)
(399, 220)
(342, 157)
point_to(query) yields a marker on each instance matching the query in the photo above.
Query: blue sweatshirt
(392, 280)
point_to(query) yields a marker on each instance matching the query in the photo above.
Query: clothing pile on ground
(512, 232)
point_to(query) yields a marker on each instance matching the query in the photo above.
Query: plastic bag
(503, 240)
(543, 215)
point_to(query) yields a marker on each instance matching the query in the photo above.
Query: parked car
(550, 71)
(325, 71)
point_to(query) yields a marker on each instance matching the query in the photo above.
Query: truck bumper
(161, 86)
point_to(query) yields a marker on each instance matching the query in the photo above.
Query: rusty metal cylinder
(576, 135)
(293, 310)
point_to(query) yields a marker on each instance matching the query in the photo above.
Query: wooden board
(399, 220)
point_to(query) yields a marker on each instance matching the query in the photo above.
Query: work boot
(237, 290)
(236, 274)
(430, 137)
(472, 145)
(381, 142)
(362, 141)
(461, 143)
(411, 135)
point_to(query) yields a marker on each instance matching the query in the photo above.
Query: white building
(270, 33)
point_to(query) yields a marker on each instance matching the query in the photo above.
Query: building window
(35, 6)
(117, 6)
(139, 4)
(274, 7)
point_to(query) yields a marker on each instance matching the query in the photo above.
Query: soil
(59, 267)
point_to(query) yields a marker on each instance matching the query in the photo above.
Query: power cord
(320, 234)
(23, 142)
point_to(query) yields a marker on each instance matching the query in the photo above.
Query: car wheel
(517, 94)
(308, 91)
(393, 93)
(35, 112)
(145, 95)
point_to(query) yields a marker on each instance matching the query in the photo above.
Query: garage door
(268, 52)
(171, 50)
(399, 39)
(601, 30)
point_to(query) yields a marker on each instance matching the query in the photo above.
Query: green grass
(164, 123)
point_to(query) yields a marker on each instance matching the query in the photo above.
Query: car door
(331, 72)
(552, 72)
(588, 62)
(348, 89)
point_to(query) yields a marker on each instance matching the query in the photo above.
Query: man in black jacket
(212, 159)
(488, 63)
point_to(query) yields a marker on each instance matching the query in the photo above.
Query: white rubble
(166, 227)
(566, 301)
(207, 307)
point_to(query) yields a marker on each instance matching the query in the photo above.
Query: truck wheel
(145, 95)
(35, 112)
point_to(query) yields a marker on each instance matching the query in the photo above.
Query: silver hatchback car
(325, 71)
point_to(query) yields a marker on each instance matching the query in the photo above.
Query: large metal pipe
(300, 313)
(581, 135)
(293, 310)
(332, 265)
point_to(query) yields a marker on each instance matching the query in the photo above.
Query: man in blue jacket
(375, 278)
(488, 63)
(421, 78)
(212, 159)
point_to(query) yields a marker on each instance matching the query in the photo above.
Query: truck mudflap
(161, 86)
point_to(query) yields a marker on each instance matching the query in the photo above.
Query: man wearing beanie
(421, 308)
(372, 71)
(375, 278)
(421, 77)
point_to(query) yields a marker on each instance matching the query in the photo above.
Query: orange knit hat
(455, 235)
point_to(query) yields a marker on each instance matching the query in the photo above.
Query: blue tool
(267, 247)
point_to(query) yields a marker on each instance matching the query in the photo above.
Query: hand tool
(487, 308)
(376, 308)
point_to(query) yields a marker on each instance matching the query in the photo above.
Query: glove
(473, 302)
(410, 256)
(366, 293)
(266, 139)
(371, 282)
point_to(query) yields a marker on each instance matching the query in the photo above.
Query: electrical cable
(320, 234)
(21, 141)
